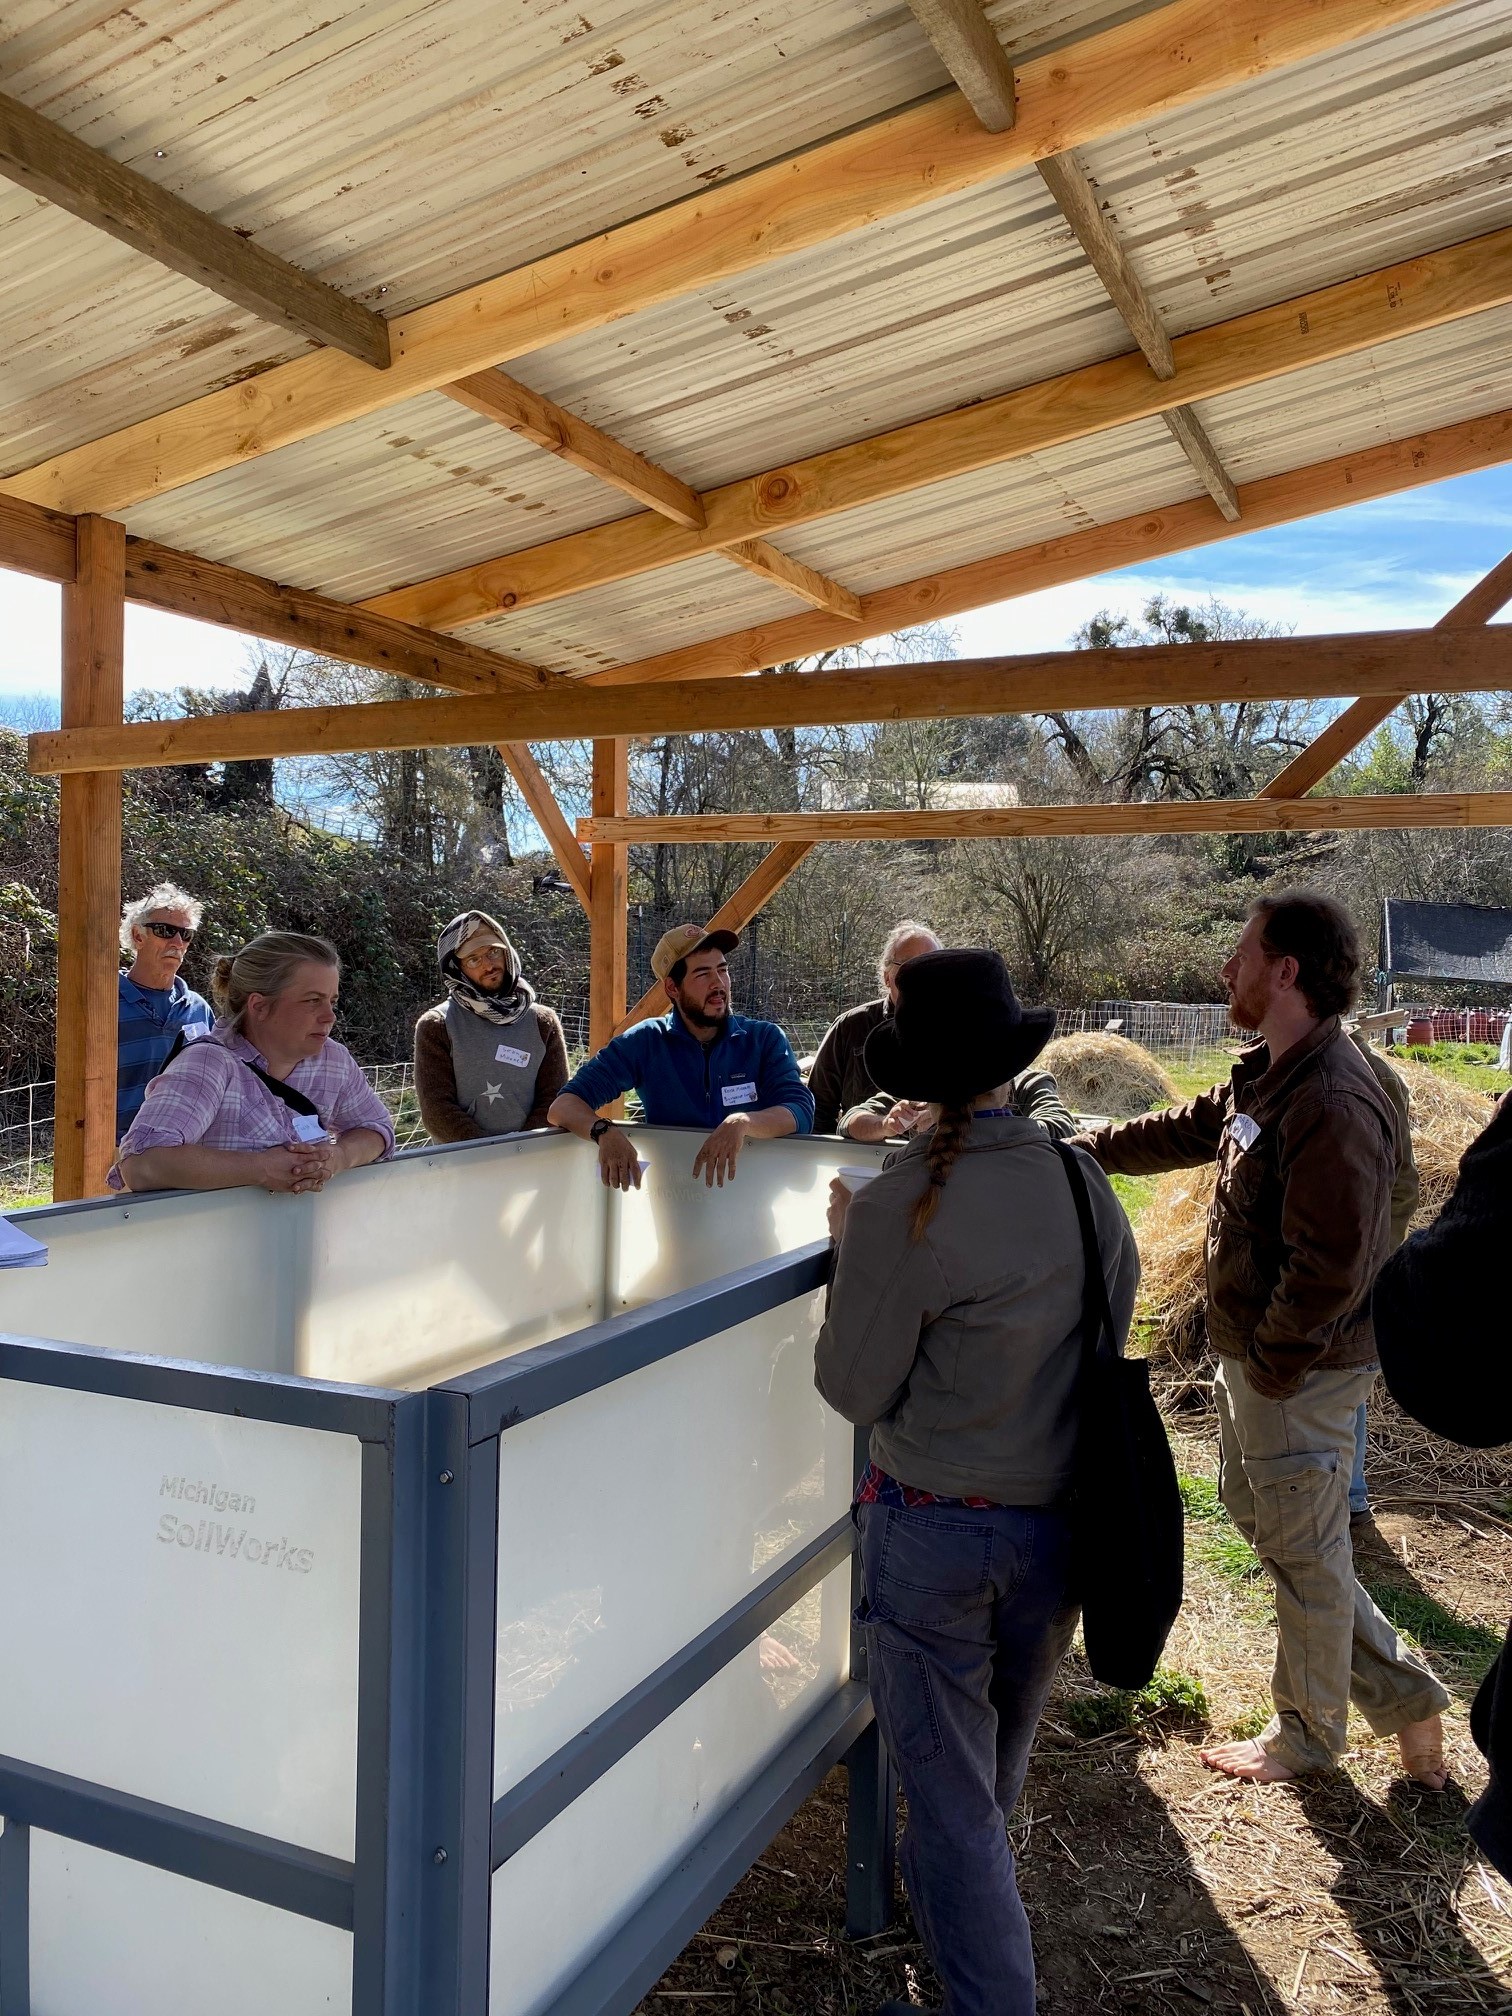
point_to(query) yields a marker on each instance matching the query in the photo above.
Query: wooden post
(89, 868)
(608, 882)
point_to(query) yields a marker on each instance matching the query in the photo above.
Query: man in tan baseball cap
(700, 1066)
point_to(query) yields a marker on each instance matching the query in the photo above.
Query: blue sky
(1397, 562)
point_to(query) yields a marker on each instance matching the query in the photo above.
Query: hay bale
(1106, 1074)
(1445, 1118)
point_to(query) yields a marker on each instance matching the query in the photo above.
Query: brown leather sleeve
(552, 1075)
(1183, 1137)
(436, 1084)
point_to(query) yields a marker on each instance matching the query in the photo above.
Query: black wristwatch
(599, 1129)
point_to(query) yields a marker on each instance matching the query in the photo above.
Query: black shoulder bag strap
(291, 1095)
(1099, 1338)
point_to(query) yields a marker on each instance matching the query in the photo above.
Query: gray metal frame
(429, 1834)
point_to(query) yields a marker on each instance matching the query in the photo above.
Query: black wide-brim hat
(958, 1030)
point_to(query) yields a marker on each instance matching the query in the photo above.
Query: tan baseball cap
(683, 940)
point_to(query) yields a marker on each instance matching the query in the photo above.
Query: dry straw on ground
(1107, 1074)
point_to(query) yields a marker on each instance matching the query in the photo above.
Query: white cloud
(161, 650)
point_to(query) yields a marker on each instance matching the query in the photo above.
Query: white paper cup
(856, 1179)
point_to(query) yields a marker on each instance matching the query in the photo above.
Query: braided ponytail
(947, 1141)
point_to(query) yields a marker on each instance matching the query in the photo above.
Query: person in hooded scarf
(489, 1059)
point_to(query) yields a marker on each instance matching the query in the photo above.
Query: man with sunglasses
(156, 1006)
(701, 1066)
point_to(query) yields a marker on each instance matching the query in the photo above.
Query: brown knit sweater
(446, 1119)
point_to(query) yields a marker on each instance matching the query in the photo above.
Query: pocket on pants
(1299, 1507)
(904, 1701)
(929, 1570)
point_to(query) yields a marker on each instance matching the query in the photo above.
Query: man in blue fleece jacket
(699, 1066)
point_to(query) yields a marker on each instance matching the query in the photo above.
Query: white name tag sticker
(308, 1127)
(504, 1055)
(739, 1095)
(1244, 1130)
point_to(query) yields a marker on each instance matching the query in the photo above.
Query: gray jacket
(961, 1350)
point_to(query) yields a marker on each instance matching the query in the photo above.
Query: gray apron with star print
(495, 1064)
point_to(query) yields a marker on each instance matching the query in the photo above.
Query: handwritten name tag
(1243, 1130)
(504, 1055)
(308, 1127)
(738, 1095)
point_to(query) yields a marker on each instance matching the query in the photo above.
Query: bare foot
(1248, 1760)
(1422, 1747)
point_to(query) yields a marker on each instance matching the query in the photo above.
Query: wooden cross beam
(967, 44)
(539, 419)
(1362, 719)
(50, 162)
(1330, 322)
(1384, 469)
(548, 815)
(737, 910)
(1135, 71)
(1271, 668)
(1225, 815)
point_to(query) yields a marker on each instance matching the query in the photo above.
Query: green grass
(1465, 1063)
(1216, 1541)
(1133, 1192)
(1171, 1697)
(1207, 1068)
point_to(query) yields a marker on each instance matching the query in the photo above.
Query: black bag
(1126, 1508)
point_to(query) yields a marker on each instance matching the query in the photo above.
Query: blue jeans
(1359, 1497)
(967, 1615)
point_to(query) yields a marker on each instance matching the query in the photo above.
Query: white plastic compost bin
(429, 1596)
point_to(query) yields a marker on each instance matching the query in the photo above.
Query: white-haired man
(156, 1006)
(847, 1102)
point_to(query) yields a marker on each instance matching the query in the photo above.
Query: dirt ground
(1151, 1885)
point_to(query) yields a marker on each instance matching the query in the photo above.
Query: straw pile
(1106, 1074)
(1445, 1119)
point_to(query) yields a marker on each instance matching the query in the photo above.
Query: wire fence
(26, 1111)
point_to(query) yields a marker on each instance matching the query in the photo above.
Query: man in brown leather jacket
(1306, 1146)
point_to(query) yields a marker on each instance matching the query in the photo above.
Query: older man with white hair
(846, 1101)
(156, 1005)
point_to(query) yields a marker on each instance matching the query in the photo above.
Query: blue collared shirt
(149, 1020)
(749, 1065)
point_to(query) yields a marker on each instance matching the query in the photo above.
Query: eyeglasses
(161, 930)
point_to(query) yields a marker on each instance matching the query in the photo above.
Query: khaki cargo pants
(1284, 1477)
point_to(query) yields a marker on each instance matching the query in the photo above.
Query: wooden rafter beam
(213, 593)
(1067, 179)
(1065, 176)
(1225, 815)
(46, 159)
(1332, 322)
(552, 427)
(1191, 437)
(548, 815)
(967, 44)
(1271, 668)
(737, 910)
(34, 541)
(758, 556)
(1486, 599)
(1382, 470)
(1107, 83)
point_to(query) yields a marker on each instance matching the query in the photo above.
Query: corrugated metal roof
(413, 147)
(401, 151)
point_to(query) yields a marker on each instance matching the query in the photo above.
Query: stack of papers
(19, 1249)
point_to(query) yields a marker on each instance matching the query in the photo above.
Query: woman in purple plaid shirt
(267, 1098)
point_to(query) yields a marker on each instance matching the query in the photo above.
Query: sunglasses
(160, 930)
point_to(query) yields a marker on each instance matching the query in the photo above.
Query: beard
(703, 1018)
(1244, 1014)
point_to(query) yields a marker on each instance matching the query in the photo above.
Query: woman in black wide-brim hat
(953, 1332)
